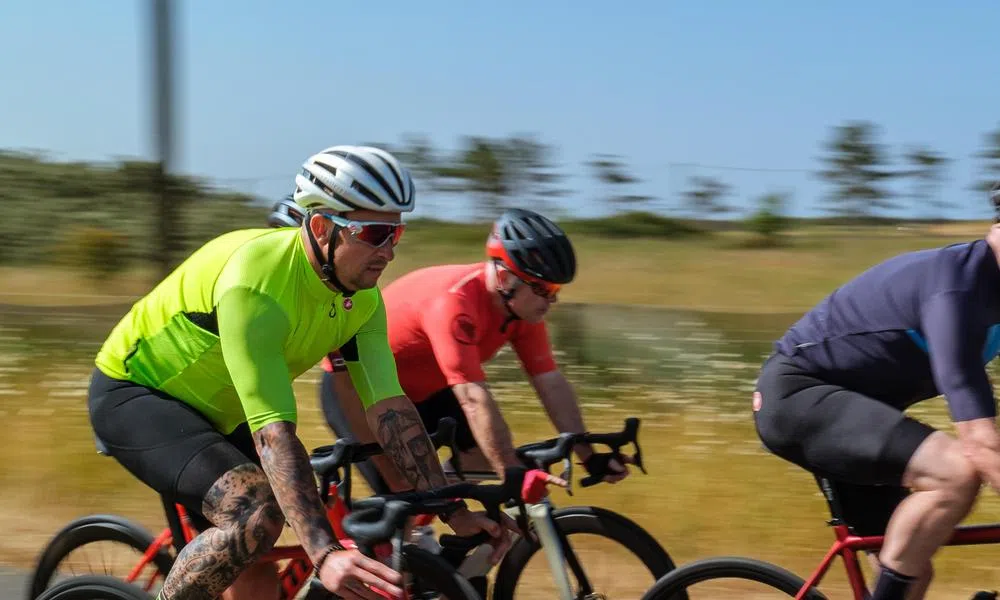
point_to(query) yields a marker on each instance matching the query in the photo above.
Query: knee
(969, 484)
(955, 478)
(243, 505)
(962, 483)
(263, 524)
(257, 525)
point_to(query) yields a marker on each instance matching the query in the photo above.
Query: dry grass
(718, 272)
(710, 489)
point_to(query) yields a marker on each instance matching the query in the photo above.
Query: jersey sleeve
(955, 345)
(531, 344)
(252, 333)
(370, 362)
(453, 331)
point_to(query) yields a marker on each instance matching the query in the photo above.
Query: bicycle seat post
(832, 502)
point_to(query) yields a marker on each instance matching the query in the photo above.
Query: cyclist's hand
(351, 575)
(466, 524)
(606, 463)
(620, 470)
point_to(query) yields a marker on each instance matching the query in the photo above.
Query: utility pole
(167, 227)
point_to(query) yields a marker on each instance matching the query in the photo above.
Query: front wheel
(95, 530)
(620, 545)
(728, 576)
(433, 577)
(93, 587)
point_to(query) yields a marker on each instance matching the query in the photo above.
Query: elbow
(472, 397)
(388, 409)
(388, 404)
(273, 437)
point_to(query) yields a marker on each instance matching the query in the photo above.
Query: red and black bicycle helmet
(532, 247)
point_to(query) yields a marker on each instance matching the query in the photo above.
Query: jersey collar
(317, 289)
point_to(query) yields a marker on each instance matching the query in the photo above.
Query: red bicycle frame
(295, 573)
(847, 546)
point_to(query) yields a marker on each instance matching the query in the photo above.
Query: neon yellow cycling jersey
(230, 329)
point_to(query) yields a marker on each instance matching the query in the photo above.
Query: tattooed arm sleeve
(398, 428)
(286, 464)
(252, 332)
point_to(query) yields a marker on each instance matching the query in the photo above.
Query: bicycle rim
(728, 572)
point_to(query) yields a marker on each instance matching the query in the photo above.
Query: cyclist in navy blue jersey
(831, 399)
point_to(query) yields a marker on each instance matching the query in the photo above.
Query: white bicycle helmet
(286, 213)
(346, 178)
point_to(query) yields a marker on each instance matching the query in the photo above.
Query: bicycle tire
(587, 520)
(94, 587)
(87, 530)
(675, 583)
(432, 573)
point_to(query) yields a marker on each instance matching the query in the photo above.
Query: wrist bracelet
(326, 554)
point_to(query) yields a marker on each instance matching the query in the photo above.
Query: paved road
(11, 583)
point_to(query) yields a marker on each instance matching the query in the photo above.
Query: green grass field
(721, 271)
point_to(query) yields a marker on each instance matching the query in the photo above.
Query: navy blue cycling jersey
(913, 327)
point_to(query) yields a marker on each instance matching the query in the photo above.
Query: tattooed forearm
(286, 463)
(401, 433)
(248, 522)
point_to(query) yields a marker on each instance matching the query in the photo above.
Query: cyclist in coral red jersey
(446, 321)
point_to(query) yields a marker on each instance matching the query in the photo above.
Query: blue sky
(262, 84)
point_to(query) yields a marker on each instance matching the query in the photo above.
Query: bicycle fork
(557, 551)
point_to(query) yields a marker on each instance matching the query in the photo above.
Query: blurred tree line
(104, 215)
(855, 166)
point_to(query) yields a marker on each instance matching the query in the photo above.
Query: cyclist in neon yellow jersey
(192, 393)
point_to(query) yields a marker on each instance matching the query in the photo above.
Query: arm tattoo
(286, 464)
(247, 520)
(402, 435)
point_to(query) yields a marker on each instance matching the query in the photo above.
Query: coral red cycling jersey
(444, 324)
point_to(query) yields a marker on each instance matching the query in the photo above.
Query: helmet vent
(366, 193)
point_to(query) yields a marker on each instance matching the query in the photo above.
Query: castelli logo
(463, 328)
(348, 304)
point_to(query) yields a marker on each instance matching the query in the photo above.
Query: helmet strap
(329, 272)
(506, 296)
(511, 317)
